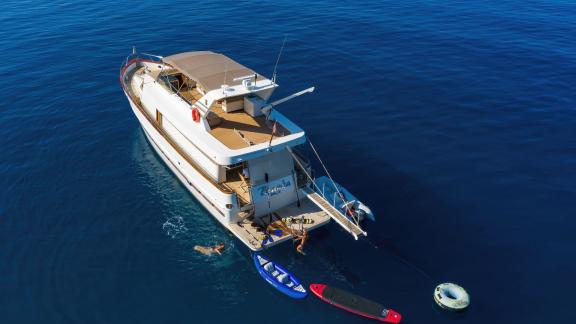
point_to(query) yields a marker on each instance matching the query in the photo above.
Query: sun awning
(209, 69)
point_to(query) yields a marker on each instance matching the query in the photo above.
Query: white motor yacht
(210, 120)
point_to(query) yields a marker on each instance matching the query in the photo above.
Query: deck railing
(142, 56)
(331, 199)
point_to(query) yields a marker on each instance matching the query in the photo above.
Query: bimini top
(209, 68)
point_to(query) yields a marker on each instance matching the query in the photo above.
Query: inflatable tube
(451, 296)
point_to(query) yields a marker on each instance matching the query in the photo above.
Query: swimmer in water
(208, 250)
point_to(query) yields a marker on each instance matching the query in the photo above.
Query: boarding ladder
(335, 214)
(320, 200)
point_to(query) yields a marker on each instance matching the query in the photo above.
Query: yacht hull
(218, 200)
(165, 150)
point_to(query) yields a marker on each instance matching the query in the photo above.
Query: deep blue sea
(453, 120)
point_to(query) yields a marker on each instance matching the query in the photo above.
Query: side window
(158, 117)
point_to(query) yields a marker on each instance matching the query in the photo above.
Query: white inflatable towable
(451, 296)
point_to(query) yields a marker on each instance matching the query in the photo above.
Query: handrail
(159, 59)
(134, 55)
(173, 143)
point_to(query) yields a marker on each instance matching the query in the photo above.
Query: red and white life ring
(195, 115)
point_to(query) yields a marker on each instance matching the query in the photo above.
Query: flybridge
(228, 121)
(249, 86)
(228, 102)
(211, 70)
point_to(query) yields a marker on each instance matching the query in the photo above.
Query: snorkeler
(208, 250)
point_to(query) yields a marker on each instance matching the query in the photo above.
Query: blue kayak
(280, 278)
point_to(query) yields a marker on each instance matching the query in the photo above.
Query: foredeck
(237, 129)
(253, 230)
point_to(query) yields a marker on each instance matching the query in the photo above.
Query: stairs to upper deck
(336, 215)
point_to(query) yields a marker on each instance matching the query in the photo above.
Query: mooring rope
(357, 221)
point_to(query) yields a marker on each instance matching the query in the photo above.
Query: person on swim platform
(302, 238)
(208, 250)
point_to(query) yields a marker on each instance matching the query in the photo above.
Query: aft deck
(237, 129)
(287, 219)
(238, 184)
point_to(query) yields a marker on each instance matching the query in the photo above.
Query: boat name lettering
(275, 189)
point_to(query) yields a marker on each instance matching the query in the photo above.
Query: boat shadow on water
(184, 219)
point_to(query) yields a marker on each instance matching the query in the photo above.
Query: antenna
(224, 83)
(278, 59)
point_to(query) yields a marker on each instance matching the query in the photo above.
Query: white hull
(195, 183)
(240, 168)
(174, 161)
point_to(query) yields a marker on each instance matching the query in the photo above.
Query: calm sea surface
(454, 120)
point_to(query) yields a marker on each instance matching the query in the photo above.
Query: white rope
(303, 169)
(334, 184)
(312, 180)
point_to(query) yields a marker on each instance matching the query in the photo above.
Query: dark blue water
(455, 121)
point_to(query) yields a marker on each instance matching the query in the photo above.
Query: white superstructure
(209, 119)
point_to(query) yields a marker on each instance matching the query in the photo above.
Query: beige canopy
(209, 68)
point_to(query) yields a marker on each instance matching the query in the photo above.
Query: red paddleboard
(354, 304)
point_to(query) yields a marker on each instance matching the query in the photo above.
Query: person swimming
(209, 250)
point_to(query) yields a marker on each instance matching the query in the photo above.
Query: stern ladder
(351, 227)
(336, 215)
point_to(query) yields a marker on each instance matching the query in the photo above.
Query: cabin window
(158, 117)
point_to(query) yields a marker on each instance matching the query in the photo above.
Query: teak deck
(238, 129)
(249, 230)
(191, 95)
(239, 186)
